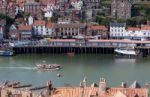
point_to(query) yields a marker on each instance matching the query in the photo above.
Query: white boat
(127, 51)
(6, 52)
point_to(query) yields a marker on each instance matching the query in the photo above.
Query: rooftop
(50, 25)
(25, 27)
(145, 27)
(101, 90)
(39, 23)
(133, 28)
(100, 27)
(117, 24)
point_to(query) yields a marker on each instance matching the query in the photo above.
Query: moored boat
(48, 66)
(127, 52)
(6, 53)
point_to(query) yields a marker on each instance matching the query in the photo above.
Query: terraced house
(25, 32)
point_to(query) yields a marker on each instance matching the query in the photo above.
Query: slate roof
(135, 85)
(118, 24)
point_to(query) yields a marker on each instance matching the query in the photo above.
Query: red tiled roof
(50, 1)
(20, 1)
(100, 27)
(25, 27)
(145, 27)
(87, 91)
(133, 28)
(74, 0)
(129, 92)
(50, 25)
(39, 23)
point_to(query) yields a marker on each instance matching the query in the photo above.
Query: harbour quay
(83, 90)
(83, 46)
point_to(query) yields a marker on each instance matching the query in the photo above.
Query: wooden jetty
(84, 47)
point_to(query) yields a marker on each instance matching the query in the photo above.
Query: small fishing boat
(6, 52)
(48, 66)
(58, 75)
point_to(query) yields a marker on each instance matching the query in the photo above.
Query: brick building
(3, 6)
(25, 31)
(121, 8)
(100, 31)
(91, 7)
(34, 8)
(11, 9)
(54, 3)
(91, 4)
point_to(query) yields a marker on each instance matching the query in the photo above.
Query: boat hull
(50, 67)
(6, 53)
(127, 53)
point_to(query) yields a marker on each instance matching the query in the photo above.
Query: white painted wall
(1, 33)
(50, 31)
(30, 20)
(117, 31)
(39, 30)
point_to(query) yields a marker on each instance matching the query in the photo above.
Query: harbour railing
(79, 43)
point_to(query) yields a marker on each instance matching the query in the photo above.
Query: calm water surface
(115, 70)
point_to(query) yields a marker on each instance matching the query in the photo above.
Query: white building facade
(30, 20)
(133, 33)
(117, 30)
(146, 31)
(39, 28)
(1, 33)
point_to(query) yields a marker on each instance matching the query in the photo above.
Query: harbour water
(74, 69)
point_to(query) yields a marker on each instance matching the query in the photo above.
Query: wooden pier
(83, 47)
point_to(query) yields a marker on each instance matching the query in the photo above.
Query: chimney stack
(84, 82)
(123, 85)
(49, 87)
(102, 85)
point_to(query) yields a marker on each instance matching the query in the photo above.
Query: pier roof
(62, 40)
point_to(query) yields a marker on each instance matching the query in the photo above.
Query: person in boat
(58, 75)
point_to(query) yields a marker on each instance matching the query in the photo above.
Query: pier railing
(81, 43)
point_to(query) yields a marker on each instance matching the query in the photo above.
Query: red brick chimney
(49, 87)
(102, 85)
